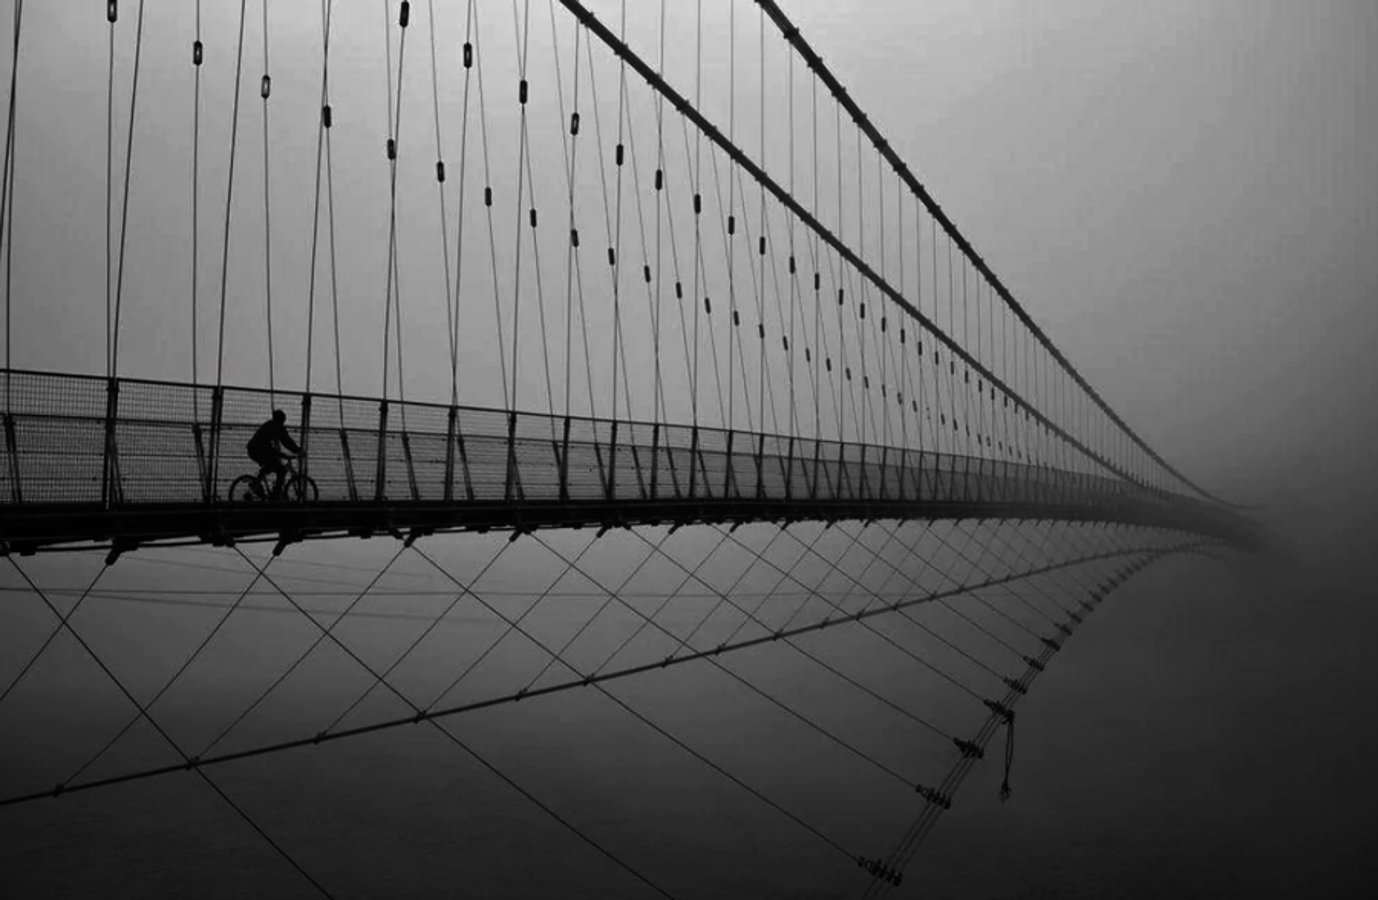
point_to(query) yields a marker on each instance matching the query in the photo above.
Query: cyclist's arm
(286, 440)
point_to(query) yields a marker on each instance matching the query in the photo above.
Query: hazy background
(1184, 194)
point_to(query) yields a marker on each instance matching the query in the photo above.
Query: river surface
(1207, 733)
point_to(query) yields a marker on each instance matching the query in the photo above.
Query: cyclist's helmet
(279, 416)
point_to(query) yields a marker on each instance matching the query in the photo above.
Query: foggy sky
(1181, 193)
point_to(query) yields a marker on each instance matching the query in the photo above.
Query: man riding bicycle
(264, 449)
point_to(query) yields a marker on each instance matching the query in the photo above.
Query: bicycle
(296, 486)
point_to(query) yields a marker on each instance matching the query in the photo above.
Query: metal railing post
(110, 481)
(213, 450)
(564, 464)
(411, 467)
(727, 479)
(511, 479)
(381, 471)
(655, 460)
(693, 462)
(450, 455)
(817, 464)
(12, 446)
(349, 465)
(610, 486)
(789, 470)
(760, 466)
(305, 429)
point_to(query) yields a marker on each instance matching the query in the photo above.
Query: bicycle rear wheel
(245, 489)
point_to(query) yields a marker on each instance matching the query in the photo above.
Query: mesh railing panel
(168, 438)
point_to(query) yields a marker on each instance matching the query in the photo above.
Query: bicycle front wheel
(302, 488)
(244, 489)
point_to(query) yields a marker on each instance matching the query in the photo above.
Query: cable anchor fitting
(969, 749)
(1004, 712)
(937, 798)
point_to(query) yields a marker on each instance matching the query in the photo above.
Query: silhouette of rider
(264, 448)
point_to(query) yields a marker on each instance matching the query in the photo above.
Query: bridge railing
(90, 441)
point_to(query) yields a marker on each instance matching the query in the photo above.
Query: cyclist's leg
(281, 471)
(266, 462)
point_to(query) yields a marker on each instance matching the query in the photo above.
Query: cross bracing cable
(900, 857)
(626, 672)
(57, 629)
(167, 685)
(880, 634)
(64, 623)
(440, 727)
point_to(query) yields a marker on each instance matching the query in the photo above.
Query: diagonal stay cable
(878, 633)
(301, 657)
(419, 715)
(787, 635)
(167, 686)
(959, 588)
(186, 760)
(587, 680)
(650, 621)
(388, 724)
(679, 742)
(464, 591)
(977, 597)
(607, 601)
(911, 553)
(62, 621)
(775, 588)
(670, 596)
(512, 624)
(1040, 613)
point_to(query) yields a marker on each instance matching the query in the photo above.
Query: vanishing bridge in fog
(539, 268)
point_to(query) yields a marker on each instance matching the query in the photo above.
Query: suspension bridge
(636, 290)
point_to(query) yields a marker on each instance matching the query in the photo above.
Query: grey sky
(1183, 193)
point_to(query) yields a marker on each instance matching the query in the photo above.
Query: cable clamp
(193, 762)
(969, 749)
(880, 870)
(1052, 644)
(1014, 685)
(1000, 709)
(937, 798)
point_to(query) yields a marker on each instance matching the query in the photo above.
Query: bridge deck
(131, 461)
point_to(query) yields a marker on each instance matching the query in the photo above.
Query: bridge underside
(127, 462)
(127, 527)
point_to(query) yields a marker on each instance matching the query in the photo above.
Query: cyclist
(264, 448)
